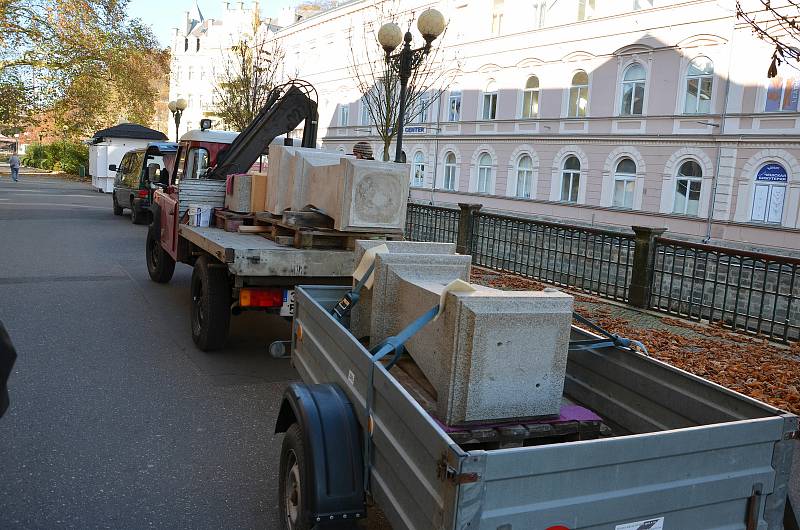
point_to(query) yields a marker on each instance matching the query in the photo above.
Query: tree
(83, 61)
(775, 22)
(248, 74)
(379, 83)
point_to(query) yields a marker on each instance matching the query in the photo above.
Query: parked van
(137, 169)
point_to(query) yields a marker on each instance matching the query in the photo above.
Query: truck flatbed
(254, 255)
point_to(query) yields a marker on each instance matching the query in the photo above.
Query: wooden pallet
(308, 237)
(231, 221)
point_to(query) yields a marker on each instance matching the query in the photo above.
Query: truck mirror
(112, 167)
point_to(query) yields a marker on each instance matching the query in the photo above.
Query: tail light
(267, 297)
(143, 194)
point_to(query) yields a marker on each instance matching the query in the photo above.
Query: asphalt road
(116, 419)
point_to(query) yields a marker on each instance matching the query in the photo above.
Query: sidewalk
(755, 367)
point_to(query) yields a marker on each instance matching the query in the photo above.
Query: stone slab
(238, 200)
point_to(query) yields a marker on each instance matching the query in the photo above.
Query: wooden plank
(248, 229)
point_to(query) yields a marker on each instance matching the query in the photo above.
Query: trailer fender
(331, 434)
(155, 220)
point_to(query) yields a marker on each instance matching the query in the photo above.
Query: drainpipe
(436, 143)
(719, 135)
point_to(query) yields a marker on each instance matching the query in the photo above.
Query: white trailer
(108, 146)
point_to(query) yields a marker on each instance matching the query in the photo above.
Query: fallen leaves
(753, 366)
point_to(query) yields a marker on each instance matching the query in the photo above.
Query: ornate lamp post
(176, 107)
(430, 24)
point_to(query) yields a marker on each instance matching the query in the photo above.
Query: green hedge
(63, 156)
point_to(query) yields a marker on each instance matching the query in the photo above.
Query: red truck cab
(198, 151)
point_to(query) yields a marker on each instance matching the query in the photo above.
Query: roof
(219, 137)
(129, 130)
(162, 147)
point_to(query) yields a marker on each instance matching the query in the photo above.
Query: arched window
(687, 188)
(418, 170)
(197, 45)
(579, 95)
(624, 183)
(699, 79)
(450, 171)
(769, 193)
(484, 173)
(633, 81)
(186, 44)
(570, 179)
(524, 176)
(530, 98)
(489, 109)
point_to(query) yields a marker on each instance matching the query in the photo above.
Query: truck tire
(160, 265)
(137, 217)
(211, 304)
(117, 207)
(293, 488)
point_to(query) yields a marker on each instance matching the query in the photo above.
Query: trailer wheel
(117, 207)
(294, 491)
(160, 265)
(211, 305)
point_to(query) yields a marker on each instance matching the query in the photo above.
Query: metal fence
(431, 223)
(744, 290)
(596, 261)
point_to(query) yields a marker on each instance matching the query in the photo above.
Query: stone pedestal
(361, 195)
(491, 355)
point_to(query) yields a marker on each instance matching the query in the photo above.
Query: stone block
(297, 174)
(277, 186)
(361, 195)
(360, 315)
(491, 355)
(391, 270)
(238, 200)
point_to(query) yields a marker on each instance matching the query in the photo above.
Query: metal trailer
(686, 454)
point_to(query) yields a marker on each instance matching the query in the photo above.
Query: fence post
(464, 237)
(644, 256)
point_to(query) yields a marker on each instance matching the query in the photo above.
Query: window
(687, 189)
(624, 183)
(530, 98)
(769, 194)
(197, 45)
(570, 179)
(699, 79)
(450, 171)
(484, 173)
(524, 177)
(633, 90)
(190, 73)
(642, 4)
(196, 163)
(202, 73)
(186, 44)
(344, 114)
(579, 95)
(421, 114)
(782, 94)
(497, 17)
(418, 171)
(539, 13)
(454, 106)
(489, 110)
(585, 9)
(365, 118)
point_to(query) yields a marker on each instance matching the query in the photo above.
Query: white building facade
(199, 47)
(603, 112)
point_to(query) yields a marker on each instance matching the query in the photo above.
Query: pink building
(613, 113)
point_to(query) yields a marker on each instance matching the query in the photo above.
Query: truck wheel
(160, 265)
(137, 217)
(293, 490)
(117, 207)
(211, 305)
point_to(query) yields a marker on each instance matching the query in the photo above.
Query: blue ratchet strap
(345, 305)
(612, 339)
(391, 344)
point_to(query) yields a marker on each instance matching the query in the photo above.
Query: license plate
(287, 309)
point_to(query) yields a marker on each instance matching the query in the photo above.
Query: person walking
(13, 162)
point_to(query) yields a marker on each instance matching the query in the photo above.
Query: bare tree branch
(778, 25)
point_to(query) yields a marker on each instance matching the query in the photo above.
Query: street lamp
(430, 24)
(176, 107)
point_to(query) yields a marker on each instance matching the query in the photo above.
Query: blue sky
(163, 15)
